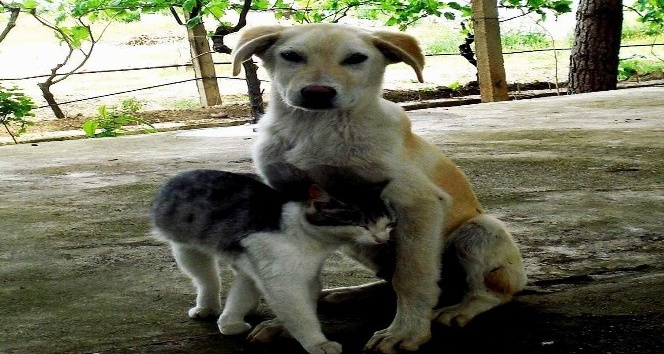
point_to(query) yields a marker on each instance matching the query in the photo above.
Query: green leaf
(90, 127)
(102, 111)
(391, 21)
(29, 4)
(14, 107)
(260, 4)
(194, 21)
(189, 5)
(455, 85)
(454, 5)
(562, 6)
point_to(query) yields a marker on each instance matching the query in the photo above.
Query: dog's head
(326, 66)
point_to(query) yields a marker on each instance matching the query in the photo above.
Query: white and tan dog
(326, 108)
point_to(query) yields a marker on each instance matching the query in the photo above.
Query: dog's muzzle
(318, 97)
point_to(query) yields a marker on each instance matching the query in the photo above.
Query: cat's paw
(267, 331)
(200, 313)
(231, 329)
(328, 347)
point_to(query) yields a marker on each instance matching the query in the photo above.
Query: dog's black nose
(318, 97)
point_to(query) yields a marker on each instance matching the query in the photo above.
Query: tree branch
(242, 21)
(65, 38)
(12, 20)
(221, 31)
(86, 54)
(633, 9)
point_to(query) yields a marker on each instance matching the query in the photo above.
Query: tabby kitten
(275, 241)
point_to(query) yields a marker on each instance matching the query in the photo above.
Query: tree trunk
(45, 88)
(594, 57)
(254, 90)
(250, 69)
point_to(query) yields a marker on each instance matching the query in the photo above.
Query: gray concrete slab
(579, 180)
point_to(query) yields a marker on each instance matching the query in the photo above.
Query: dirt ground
(578, 179)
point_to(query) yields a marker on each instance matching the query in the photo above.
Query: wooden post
(208, 89)
(493, 85)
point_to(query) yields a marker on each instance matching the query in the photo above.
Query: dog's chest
(337, 142)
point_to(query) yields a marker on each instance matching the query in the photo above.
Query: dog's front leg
(267, 149)
(417, 270)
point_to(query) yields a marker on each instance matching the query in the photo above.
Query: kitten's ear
(378, 187)
(318, 194)
(288, 180)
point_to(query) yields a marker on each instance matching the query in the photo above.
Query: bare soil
(207, 116)
(240, 113)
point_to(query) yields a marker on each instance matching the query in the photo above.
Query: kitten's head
(360, 212)
(337, 199)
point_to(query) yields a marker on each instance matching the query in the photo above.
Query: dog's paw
(199, 313)
(328, 347)
(232, 329)
(389, 340)
(452, 316)
(267, 331)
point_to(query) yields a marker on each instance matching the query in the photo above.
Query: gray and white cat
(275, 241)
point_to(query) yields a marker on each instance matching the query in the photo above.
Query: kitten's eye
(292, 56)
(354, 58)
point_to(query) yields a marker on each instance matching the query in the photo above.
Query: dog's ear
(254, 40)
(400, 47)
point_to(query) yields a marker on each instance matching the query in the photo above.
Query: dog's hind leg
(493, 268)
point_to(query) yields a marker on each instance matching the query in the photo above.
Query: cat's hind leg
(493, 268)
(243, 298)
(202, 268)
(291, 291)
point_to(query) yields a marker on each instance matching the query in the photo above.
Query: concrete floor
(579, 179)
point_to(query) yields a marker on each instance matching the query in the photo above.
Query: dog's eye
(292, 57)
(354, 58)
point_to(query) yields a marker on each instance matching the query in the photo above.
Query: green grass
(636, 62)
(524, 41)
(635, 67)
(447, 41)
(185, 103)
(639, 32)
